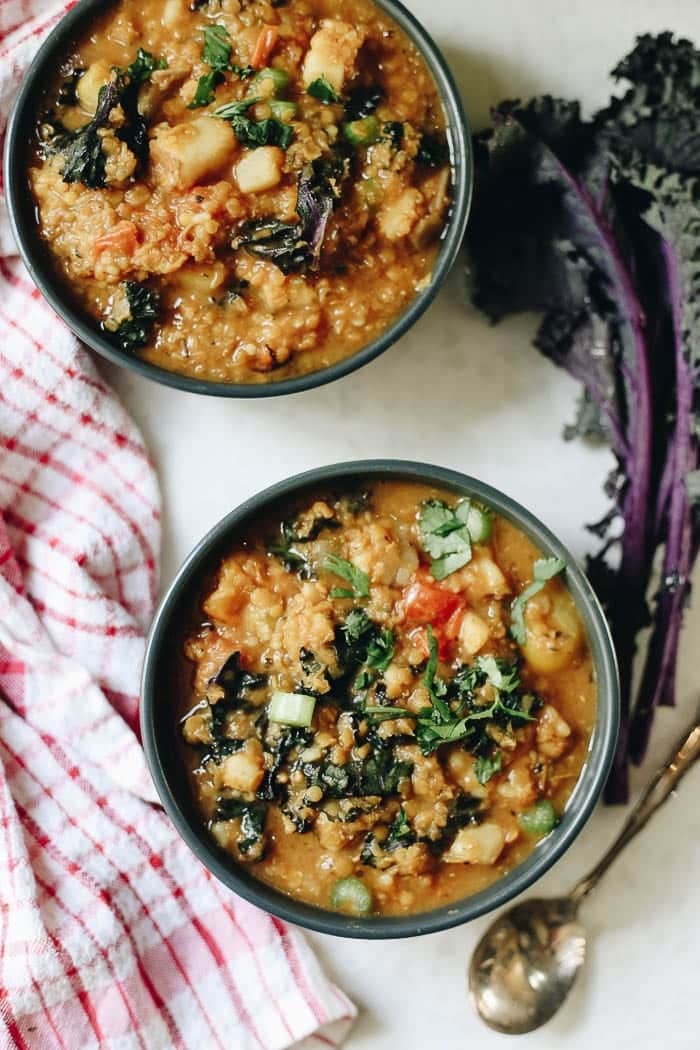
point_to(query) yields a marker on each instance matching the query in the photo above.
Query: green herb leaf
(144, 65)
(440, 724)
(237, 108)
(206, 87)
(433, 684)
(254, 133)
(217, 47)
(503, 676)
(252, 827)
(445, 536)
(543, 570)
(380, 651)
(486, 766)
(400, 832)
(356, 626)
(358, 580)
(323, 90)
(382, 714)
(282, 548)
(216, 52)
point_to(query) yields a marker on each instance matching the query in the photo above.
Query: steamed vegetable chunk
(361, 680)
(185, 154)
(281, 149)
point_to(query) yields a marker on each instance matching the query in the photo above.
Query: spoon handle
(682, 757)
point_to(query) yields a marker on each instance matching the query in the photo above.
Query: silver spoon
(526, 962)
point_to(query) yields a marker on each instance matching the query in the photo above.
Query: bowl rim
(20, 206)
(546, 853)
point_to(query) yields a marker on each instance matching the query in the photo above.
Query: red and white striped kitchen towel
(111, 932)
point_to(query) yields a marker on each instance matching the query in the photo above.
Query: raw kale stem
(658, 677)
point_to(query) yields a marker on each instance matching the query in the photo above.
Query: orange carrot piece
(264, 46)
(122, 238)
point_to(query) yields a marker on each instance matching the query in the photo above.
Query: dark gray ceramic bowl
(163, 675)
(20, 132)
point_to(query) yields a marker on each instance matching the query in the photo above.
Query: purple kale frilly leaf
(657, 117)
(596, 225)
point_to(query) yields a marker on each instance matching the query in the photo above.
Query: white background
(478, 399)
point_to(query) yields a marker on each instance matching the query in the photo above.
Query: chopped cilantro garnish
(445, 537)
(486, 766)
(217, 47)
(445, 721)
(216, 52)
(358, 580)
(323, 90)
(543, 570)
(380, 651)
(254, 133)
(144, 65)
(447, 533)
(282, 548)
(400, 832)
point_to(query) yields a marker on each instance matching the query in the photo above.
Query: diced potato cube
(185, 154)
(88, 88)
(519, 787)
(332, 53)
(473, 634)
(398, 217)
(260, 169)
(200, 280)
(231, 594)
(244, 769)
(174, 14)
(484, 579)
(482, 844)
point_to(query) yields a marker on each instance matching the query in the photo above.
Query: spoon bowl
(525, 964)
(527, 961)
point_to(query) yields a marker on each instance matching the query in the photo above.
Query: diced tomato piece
(264, 46)
(122, 238)
(426, 602)
(445, 641)
(448, 633)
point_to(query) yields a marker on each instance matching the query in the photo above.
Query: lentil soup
(391, 698)
(242, 191)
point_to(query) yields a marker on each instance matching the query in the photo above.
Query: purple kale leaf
(596, 226)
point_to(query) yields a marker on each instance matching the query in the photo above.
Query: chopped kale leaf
(393, 131)
(67, 93)
(252, 816)
(362, 101)
(433, 151)
(235, 683)
(144, 307)
(283, 548)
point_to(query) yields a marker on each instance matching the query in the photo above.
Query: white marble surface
(457, 392)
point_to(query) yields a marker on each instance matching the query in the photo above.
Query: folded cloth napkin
(111, 933)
